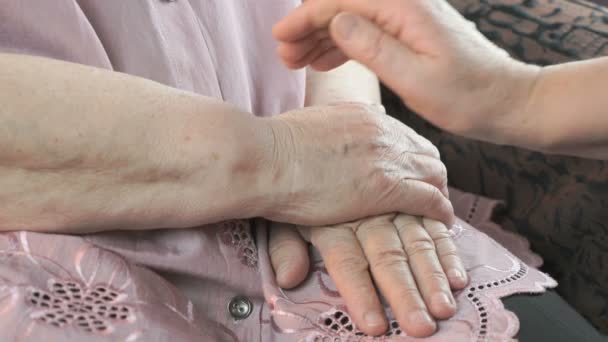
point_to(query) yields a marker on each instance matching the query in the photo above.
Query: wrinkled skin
(335, 164)
(412, 261)
(407, 258)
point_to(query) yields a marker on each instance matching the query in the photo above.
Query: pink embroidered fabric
(67, 288)
(177, 284)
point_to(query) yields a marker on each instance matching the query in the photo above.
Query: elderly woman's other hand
(406, 257)
(340, 163)
(430, 55)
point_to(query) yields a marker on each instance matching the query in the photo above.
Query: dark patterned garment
(559, 203)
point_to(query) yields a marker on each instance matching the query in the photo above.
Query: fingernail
(344, 25)
(421, 317)
(457, 276)
(373, 319)
(442, 299)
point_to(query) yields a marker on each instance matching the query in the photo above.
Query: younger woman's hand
(436, 60)
(412, 262)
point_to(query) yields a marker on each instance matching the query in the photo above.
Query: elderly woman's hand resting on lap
(407, 258)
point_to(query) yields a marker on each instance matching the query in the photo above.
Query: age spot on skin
(348, 147)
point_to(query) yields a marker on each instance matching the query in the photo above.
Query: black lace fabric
(559, 203)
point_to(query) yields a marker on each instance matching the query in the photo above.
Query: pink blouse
(213, 282)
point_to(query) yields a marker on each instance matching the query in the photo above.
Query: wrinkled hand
(340, 163)
(406, 257)
(430, 55)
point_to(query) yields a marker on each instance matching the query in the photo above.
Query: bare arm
(84, 149)
(568, 110)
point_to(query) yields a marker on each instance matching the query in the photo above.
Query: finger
(305, 19)
(389, 265)
(348, 267)
(448, 254)
(419, 198)
(288, 255)
(431, 280)
(292, 52)
(364, 42)
(323, 46)
(317, 14)
(426, 169)
(331, 59)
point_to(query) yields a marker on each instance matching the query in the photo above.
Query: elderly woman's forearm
(84, 149)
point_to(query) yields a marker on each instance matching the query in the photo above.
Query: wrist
(276, 182)
(520, 123)
(509, 120)
(221, 156)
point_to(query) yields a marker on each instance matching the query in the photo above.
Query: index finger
(317, 14)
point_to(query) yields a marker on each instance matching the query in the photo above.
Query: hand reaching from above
(431, 56)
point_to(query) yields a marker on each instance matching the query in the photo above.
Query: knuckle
(442, 171)
(330, 238)
(419, 246)
(442, 239)
(448, 253)
(372, 224)
(277, 246)
(434, 199)
(411, 292)
(350, 263)
(445, 246)
(405, 222)
(389, 259)
(435, 276)
(434, 151)
(373, 52)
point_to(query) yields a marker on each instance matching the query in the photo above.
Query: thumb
(363, 41)
(288, 255)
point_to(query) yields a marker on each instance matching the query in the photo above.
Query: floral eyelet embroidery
(237, 234)
(69, 304)
(478, 304)
(338, 323)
